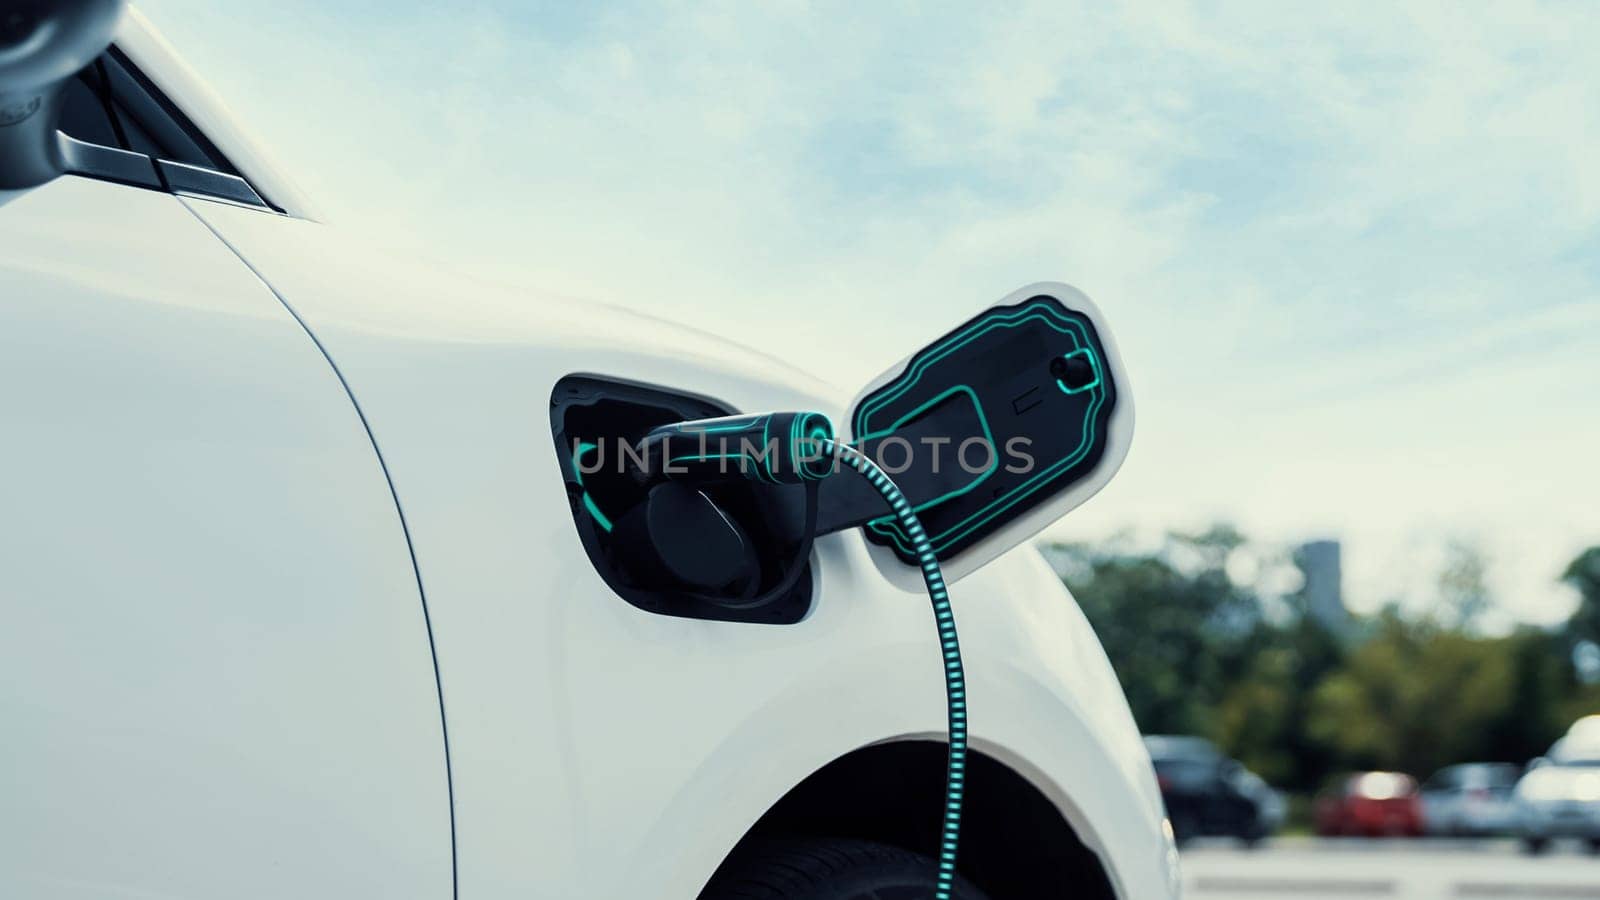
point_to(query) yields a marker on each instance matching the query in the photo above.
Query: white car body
(1559, 801)
(1560, 794)
(1586, 730)
(294, 605)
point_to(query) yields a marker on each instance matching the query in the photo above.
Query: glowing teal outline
(1094, 366)
(1046, 312)
(1026, 489)
(600, 518)
(988, 433)
(815, 428)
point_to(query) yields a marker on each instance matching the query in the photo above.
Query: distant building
(1320, 564)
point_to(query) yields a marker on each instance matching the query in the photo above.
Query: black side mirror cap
(43, 43)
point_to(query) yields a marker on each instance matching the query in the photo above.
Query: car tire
(1533, 846)
(1594, 845)
(828, 869)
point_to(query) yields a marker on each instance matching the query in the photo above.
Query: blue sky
(1352, 254)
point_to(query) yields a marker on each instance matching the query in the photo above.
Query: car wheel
(1533, 846)
(828, 869)
(1594, 845)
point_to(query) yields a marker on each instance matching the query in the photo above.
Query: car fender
(602, 751)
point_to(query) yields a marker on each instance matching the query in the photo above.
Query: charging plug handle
(772, 448)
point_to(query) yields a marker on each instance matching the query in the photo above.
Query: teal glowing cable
(954, 680)
(799, 448)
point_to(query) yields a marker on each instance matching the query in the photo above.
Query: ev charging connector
(1028, 401)
(772, 448)
(799, 448)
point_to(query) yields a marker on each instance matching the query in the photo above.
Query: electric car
(305, 594)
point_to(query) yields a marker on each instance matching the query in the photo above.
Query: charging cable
(955, 686)
(799, 448)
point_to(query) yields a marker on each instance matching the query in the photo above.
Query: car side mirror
(996, 429)
(43, 43)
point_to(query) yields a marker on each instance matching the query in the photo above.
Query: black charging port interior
(665, 548)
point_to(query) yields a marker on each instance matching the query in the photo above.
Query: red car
(1371, 803)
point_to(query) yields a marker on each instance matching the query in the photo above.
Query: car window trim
(124, 91)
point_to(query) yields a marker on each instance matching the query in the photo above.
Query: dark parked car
(1209, 795)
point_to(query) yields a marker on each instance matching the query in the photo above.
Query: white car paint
(214, 670)
(1559, 796)
(217, 646)
(1559, 800)
(185, 88)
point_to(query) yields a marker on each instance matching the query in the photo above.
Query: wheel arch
(1015, 842)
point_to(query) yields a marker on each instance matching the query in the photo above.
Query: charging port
(711, 553)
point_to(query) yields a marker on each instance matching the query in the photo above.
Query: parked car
(1586, 729)
(1209, 795)
(1560, 795)
(1470, 799)
(300, 596)
(1374, 804)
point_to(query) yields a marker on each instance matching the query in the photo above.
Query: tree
(1256, 720)
(1313, 652)
(1583, 575)
(1414, 697)
(1163, 619)
(1197, 654)
(1463, 589)
(1150, 620)
(1541, 683)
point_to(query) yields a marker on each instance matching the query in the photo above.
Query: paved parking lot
(1344, 868)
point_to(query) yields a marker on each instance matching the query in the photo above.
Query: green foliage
(1584, 701)
(1200, 654)
(1257, 716)
(1262, 718)
(1161, 627)
(1542, 690)
(1583, 574)
(1413, 697)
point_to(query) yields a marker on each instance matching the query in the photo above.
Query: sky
(1351, 254)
